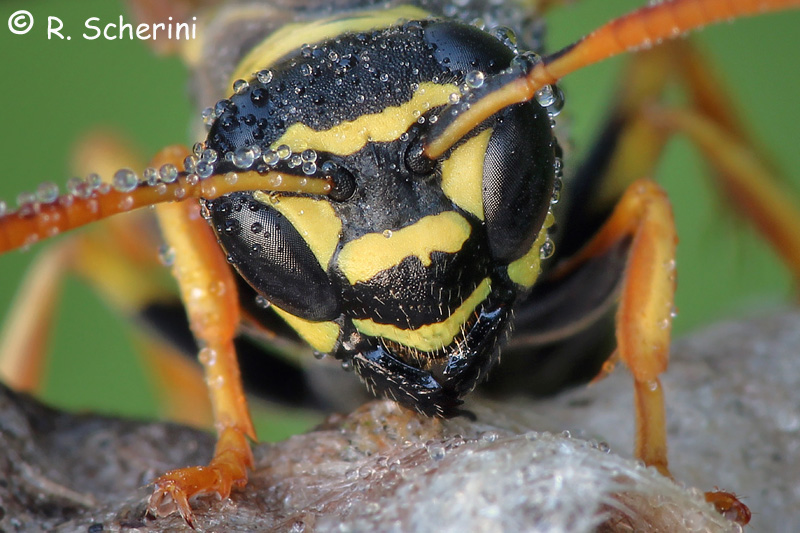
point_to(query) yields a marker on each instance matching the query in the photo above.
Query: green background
(53, 91)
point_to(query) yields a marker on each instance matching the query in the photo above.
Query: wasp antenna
(634, 31)
(47, 214)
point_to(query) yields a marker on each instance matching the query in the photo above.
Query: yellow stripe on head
(462, 174)
(363, 258)
(292, 37)
(315, 221)
(322, 336)
(349, 137)
(525, 270)
(430, 337)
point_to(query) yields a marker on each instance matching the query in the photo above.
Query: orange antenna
(637, 30)
(47, 214)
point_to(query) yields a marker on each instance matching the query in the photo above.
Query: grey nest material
(733, 400)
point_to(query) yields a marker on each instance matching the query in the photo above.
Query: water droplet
(437, 452)
(208, 117)
(168, 173)
(547, 249)
(240, 86)
(284, 152)
(545, 96)
(220, 107)
(207, 356)
(208, 190)
(264, 76)
(525, 62)
(262, 302)
(210, 155)
(150, 176)
(474, 79)
(295, 161)
(3, 208)
(166, 255)
(244, 157)
(94, 181)
(309, 168)
(479, 23)
(309, 155)
(489, 436)
(190, 163)
(306, 51)
(231, 226)
(231, 178)
(47, 192)
(387, 233)
(204, 169)
(126, 203)
(274, 182)
(551, 98)
(506, 36)
(271, 158)
(197, 149)
(306, 70)
(124, 180)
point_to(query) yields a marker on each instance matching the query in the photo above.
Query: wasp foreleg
(209, 293)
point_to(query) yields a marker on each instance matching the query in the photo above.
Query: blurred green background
(53, 91)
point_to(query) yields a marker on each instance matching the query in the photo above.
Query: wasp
(384, 185)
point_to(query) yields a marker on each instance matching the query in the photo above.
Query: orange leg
(745, 179)
(742, 173)
(644, 317)
(23, 338)
(209, 293)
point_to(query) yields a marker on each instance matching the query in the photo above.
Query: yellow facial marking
(363, 258)
(525, 270)
(315, 220)
(321, 336)
(292, 37)
(462, 174)
(349, 137)
(430, 337)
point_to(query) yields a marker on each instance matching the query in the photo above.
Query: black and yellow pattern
(410, 269)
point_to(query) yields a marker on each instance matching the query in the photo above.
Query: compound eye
(518, 178)
(272, 256)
